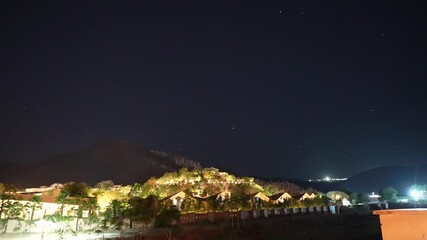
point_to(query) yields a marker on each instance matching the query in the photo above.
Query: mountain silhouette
(400, 178)
(122, 161)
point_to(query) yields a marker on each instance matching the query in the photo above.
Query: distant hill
(319, 186)
(401, 178)
(123, 162)
(372, 180)
(126, 162)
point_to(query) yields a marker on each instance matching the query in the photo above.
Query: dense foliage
(388, 194)
(152, 202)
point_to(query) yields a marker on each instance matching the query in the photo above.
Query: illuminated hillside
(201, 183)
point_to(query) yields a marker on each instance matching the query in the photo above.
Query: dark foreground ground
(314, 227)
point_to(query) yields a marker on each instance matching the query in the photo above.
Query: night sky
(295, 89)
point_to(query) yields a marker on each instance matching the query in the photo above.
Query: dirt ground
(306, 227)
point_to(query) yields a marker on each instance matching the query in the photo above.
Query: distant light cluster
(418, 194)
(327, 179)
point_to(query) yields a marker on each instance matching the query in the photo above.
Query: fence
(254, 214)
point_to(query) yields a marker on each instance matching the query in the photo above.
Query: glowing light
(327, 179)
(415, 194)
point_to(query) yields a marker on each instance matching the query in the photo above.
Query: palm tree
(34, 204)
(5, 196)
(62, 199)
(141, 210)
(91, 206)
(81, 204)
(114, 214)
(4, 202)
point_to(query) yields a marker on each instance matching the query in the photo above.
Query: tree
(74, 193)
(34, 204)
(146, 189)
(77, 189)
(82, 205)
(337, 196)
(115, 213)
(307, 202)
(320, 201)
(353, 197)
(361, 198)
(288, 202)
(140, 210)
(62, 199)
(388, 194)
(4, 201)
(238, 200)
(91, 205)
(5, 196)
(166, 219)
(104, 197)
(12, 210)
(105, 185)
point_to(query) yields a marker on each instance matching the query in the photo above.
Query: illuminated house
(177, 199)
(280, 197)
(222, 196)
(304, 196)
(346, 202)
(258, 199)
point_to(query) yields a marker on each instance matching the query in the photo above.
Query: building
(280, 197)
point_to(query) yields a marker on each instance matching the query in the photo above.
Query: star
(233, 128)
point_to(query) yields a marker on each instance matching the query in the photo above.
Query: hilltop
(124, 162)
